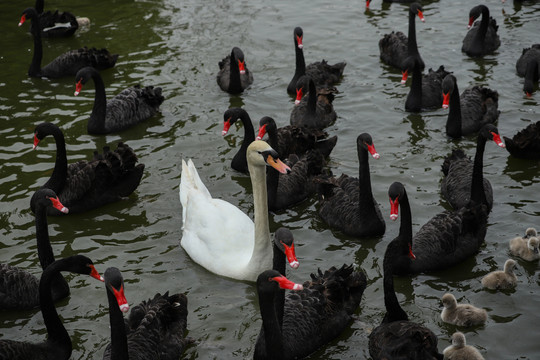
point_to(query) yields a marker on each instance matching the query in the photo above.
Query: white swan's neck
(262, 247)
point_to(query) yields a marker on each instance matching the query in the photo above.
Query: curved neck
(35, 65)
(119, 345)
(45, 252)
(249, 134)
(405, 227)
(481, 34)
(96, 124)
(453, 123)
(365, 193)
(412, 47)
(39, 6)
(477, 188)
(58, 336)
(58, 178)
(272, 332)
(235, 84)
(262, 245)
(394, 312)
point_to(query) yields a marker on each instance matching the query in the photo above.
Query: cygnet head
(458, 339)
(449, 301)
(509, 266)
(533, 244)
(530, 232)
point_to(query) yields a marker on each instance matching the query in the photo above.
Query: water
(177, 46)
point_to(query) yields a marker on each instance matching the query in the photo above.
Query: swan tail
(100, 59)
(152, 96)
(326, 146)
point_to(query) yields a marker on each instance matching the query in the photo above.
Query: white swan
(219, 236)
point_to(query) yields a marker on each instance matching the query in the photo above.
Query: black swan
(58, 344)
(446, 239)
(68, 63)
(528, 66)
(312, 316)
(482, 38)
(239, 161)
(322, 73)
(347, 202)
(471, 110)
(397, 337)
(315, 110)
(18, 288)
(288, 189)
(234, 76)
(130, 107)
(155, 328)
(526, 143)
(368, 2)
(56, 24)
(426, 90)
(291, 139)
(395, 47)
(88, 184)
(458, 170)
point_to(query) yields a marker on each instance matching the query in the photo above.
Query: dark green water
(177, 46)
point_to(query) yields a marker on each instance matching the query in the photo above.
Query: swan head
(509, 266)
(28, 13)
(272, 280)
(82, 77)
(266, 125)
(230, 116)
(298, 34)
(449, 301)
(490, 131)
(458, 339)
(533, 244)
(284, 240)
(447, 85)
(46, 197)
(395, 192)
(238, 55)
(416, 9)
(259, 153)
(114, 282)
(530, 232)
(366, 142)
(474, 14)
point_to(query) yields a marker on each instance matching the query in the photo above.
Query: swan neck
(394, 312)
(57, 333)
(235, 84)
(454, 123)
(119, 345)
(280, 265)
(477, 187)
(96, 124)
(300, 61)
(412, 47)
(57, 180)
(272, 332)
(484, 23)
(262, 246)
(405, 227)
(45, 252)
(37, 57)
(312, 98)
(364, 179)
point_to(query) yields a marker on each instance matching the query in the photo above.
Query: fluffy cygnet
(461, 314)
(460, 351)
(527, 249)
(500, 280)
